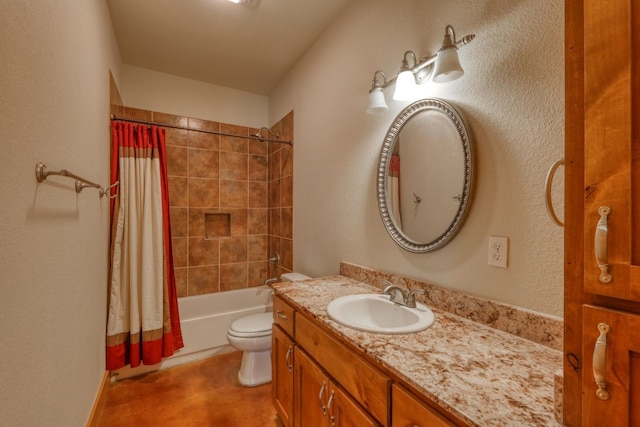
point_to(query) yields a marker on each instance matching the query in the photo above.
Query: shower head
(258, 134)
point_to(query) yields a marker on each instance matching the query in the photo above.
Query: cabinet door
(408, 411)
(345, 412)
(282, 355)
(611, 353)
(612, 148)
(311, 391)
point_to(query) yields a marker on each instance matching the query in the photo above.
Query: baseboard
(98, 404)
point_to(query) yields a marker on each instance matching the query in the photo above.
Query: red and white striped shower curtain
(143, 323)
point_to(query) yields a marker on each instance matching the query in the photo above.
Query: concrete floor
(202, 393)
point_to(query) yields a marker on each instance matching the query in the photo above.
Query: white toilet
(252, 335)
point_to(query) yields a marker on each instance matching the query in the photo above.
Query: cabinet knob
(281, 315)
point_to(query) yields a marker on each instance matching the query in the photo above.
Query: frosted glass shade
(447, 66)
(377, 103)
(405, 86)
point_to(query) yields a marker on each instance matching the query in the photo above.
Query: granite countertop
(481, 375)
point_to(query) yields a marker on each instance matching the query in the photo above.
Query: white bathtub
(205, 320)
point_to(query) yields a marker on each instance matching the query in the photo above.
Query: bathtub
(204, 320)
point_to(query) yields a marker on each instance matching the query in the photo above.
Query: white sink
(376, 313)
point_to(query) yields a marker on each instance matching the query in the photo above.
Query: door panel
(619, 367)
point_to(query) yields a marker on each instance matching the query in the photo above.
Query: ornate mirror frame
(389, 143)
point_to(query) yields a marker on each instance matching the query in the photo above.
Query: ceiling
(249, 48)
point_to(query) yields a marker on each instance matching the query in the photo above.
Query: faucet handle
(395, 292)
(411, 299)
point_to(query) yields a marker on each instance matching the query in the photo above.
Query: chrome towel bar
(42, 173)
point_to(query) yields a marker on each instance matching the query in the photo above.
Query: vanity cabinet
(319, 381)
(602, 213)
(282, 360)
(368, 386)
(320, 402)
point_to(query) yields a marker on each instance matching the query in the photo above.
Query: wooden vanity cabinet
(282, 387)
(331, 385)
(365, 383)
(602, 212)
(282, 360)
(304, 358)
(319, 400)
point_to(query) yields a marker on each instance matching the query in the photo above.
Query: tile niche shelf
(217, 225)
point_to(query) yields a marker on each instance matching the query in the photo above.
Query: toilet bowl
(252, 335)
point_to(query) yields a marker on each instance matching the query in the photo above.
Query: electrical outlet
(498, 251)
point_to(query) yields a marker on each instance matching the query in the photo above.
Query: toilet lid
(253, 323)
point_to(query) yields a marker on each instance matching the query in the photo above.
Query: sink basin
(376, 313)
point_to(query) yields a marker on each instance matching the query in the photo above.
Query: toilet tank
(293, 277)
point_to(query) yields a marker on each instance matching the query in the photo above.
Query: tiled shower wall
(231, 202)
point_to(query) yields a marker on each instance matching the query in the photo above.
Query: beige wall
(54, 108)
(513, 97)
(155, 91)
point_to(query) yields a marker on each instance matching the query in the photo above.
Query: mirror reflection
(426, 175)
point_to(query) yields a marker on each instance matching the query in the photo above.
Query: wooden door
(311, 392)
(408, 411)
(282, 355)
(611, 349)
(612, 148)
(343, 411)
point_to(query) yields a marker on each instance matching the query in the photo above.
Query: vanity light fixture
(377, 103)
(444, 66)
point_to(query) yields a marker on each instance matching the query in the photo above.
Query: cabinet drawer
(283, 315)
(368, 386)
(408, 411)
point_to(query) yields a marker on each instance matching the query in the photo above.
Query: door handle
(324, 408)
(600, 362)
(600, 245)
(286, 359)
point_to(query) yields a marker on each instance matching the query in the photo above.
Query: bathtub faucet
(272, 280)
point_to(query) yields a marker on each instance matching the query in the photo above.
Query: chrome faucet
(272, 280)
(401, 296)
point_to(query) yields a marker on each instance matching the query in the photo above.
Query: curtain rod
(214, 132)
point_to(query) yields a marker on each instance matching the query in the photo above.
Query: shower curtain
(143, 323)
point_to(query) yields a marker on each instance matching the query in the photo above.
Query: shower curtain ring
(107, 192)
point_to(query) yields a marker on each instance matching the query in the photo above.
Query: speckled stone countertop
(481, 375)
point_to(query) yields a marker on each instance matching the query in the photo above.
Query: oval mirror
(425, 175)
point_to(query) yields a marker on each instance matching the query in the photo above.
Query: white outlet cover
(498, 251)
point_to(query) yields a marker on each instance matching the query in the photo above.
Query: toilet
(252, 335)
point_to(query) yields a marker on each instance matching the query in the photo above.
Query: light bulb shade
(447, 67)
(405, 86)
(377, 103)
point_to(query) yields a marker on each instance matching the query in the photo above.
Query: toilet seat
(252, 326)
